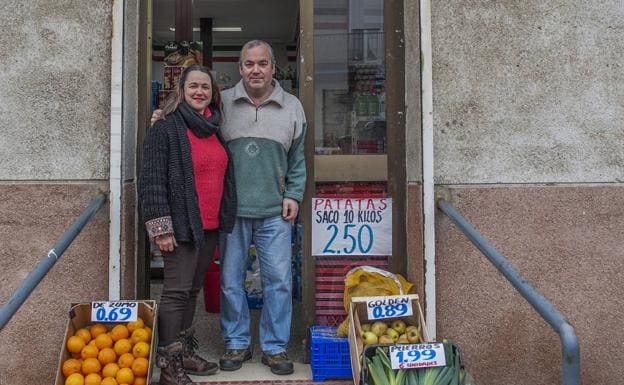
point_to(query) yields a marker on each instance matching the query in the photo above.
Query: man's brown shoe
(279, 363)
(233, 358)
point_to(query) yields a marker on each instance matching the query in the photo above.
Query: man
(265, 129)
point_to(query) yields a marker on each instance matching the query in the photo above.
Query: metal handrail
(36, 275)
(567, 336)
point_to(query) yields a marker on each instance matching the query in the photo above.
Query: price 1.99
(417, 355)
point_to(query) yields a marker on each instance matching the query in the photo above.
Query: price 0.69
(121, 311)
(113, 314)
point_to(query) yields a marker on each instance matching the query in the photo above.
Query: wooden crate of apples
(391, 330)
(396, 331)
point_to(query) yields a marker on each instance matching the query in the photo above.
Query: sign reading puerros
(351, 226)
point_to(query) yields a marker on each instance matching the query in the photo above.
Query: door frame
(396, 139)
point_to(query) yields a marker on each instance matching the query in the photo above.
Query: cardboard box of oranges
(108, 353)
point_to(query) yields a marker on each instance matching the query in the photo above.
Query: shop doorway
(341, 58)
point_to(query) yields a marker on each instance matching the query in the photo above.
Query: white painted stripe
(114, 257)
(427, 162)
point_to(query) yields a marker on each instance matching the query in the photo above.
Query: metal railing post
(569, 341)
(36, 275)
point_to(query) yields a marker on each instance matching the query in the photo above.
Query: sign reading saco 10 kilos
(351, 226)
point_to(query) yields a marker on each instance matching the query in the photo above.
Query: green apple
(410, 327)
(398, 325)
(379, 327)
(403, 339)
(386, 339)
(369, 338)
(412, 336)
(393, 334)
(365, 327)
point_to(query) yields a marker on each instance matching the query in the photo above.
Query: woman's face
(198, 90)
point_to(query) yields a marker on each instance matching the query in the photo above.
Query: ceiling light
(227, 29)
(214, 29)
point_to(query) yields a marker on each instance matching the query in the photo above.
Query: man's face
(257, 69)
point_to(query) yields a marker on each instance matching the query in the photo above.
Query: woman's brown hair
(173, 101)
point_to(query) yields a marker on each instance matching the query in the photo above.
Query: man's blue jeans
(272, 238)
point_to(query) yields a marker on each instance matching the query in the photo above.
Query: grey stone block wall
(55, 93)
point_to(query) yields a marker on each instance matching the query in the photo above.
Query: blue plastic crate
(329, 354)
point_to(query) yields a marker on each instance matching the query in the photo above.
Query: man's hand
(290, 208)
(156, 116)
(166, 242)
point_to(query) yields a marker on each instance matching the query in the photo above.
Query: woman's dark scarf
(201, 126)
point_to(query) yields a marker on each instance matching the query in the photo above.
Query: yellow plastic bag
(367, 281)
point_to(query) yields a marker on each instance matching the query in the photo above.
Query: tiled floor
(253, 372)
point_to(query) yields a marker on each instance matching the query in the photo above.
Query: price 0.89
(113, 314)
(362, 244)
(416, 355)
(396, 310)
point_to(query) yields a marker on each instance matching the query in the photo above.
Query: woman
(187, 194)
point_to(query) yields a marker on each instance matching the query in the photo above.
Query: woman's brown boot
(193, 363)
(169, 360)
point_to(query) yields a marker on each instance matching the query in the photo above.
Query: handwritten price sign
(389, 307)
(351, 226)
(114, 311)
(417, 355)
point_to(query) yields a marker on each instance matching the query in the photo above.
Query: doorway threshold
(258, 373)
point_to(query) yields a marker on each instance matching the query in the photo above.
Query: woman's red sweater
(209, 164)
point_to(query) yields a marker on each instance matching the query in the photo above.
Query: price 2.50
(361, 239)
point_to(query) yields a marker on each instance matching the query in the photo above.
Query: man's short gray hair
(255, 43)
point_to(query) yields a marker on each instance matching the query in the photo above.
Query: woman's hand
(166, 242)
(156, 116)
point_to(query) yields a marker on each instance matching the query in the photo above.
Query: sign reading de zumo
(351, 226)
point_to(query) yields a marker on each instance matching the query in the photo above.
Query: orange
(71, 366)
(125, 376)
(139, 335)
(74, 379)
(140, 381)
(84, 334)
(125, 360)
(106, 356)
(141, 349)
(148, 330)
(109, 381)
(103, 341)
(91, 365)
(132, 326)
(110, 370)
(93, 379)
(92, 343)
(122, 346)
(75, 344)
(139, 366)
(89, 351)
(97, 329)
(119, 332)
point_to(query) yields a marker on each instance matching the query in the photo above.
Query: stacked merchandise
(177, 57)
(369, 108)
(297, 264)
(253, 283)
